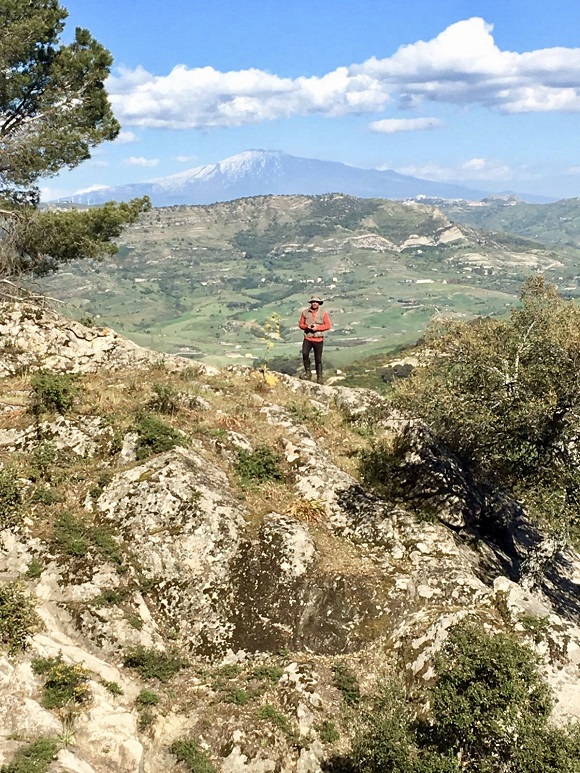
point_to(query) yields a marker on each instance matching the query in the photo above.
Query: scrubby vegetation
(52, 392)
(488, 711)
(153, 664)
(18, 620)
(259, 466)
(155, 436)
(504, 396)
(64, 684)
(34, 758)
(195, 760)
(10, 499)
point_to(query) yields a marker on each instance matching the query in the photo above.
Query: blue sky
(485, 93)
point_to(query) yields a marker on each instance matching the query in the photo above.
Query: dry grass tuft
(307, 510)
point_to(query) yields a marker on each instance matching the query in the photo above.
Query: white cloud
(184, 159)
(472, 169)
(462, 65)
(140, 161)
(126, 138)
(573, 170)
(394, 125)
(100, 163)
(47, 193)
(90, 189)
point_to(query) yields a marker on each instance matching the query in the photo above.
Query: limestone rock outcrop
(261, 588)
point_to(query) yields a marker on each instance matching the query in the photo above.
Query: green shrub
(272, 673)
(10, 500)
(64, 684)
(52, 392)
(42, 460)
(328, 732)
(188, 752)
(155, 437)
(276, 718)
(18, 620)
(238, 696)
(384, 740)
(70, 535)
(154, 664)
(104, 479)
(110, 597)
(34, 758)
(488, 696)
(503, 395)
(147, 698)
(488, 711)
(43, 495)
(113, 687)
(345, 680)
(75, 538)
(259, 466)
(34, 569)
(381, 466)
(165, 399)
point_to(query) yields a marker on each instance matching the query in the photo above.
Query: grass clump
(276, 718)
(259, 466)
(10, 500)
(34, 758)
(18, 619)
(75, 538)
(238, 696)
(34, 569)
(52, 392)
(154, 664)
(71, 535)
(328, 732)
(64, 684)
(113, 687)
(42, 495)
(305, 414)
(154, 437)
(147, 698)
(271, 673)
(165, 399)
(345, 680)
(188, 751)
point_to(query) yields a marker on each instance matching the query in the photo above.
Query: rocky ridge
(262, 588)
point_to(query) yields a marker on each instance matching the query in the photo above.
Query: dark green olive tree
(53, 110)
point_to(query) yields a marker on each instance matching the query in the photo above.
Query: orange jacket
(319, 320)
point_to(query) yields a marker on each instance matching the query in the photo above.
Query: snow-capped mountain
(263, 172)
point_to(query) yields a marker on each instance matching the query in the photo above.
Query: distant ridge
(265, 172)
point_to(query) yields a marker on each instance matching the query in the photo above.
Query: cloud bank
(461, 66)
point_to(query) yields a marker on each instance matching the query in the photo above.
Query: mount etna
(264, 172)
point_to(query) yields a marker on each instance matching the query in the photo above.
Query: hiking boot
(319, 380)
(307, 376)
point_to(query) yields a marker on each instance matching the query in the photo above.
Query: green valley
(210, 282)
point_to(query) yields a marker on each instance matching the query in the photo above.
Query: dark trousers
(307, 346)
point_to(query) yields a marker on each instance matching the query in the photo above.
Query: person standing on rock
(314, 323)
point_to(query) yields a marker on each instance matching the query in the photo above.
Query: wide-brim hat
(316, 299)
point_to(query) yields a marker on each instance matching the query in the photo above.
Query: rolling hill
(205, 281)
